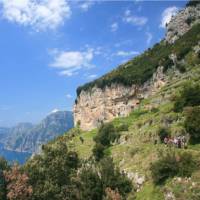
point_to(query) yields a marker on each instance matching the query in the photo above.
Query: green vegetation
(3, 166)
(192, 124)
(95, 165)
(189, 96)
(141, 68)
(163, 133)
(172, 164)
(107, 134)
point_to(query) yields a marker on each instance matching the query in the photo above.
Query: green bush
(98, 151)
(106, 134)
(93, 180)
(111, 177)
(163, 133)
(181, 67)
(192, 123)
(89, 185)
(50, 172)
(171, 164)
(189, 96)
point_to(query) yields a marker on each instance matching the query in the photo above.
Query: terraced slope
(135, 150)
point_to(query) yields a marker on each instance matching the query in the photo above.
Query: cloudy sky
(50, 47)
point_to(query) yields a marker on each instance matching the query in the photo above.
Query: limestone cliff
(103, 105)
(182, 22)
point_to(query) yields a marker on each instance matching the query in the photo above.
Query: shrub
(90, 185)
(163, 133)
(189, 96)
(172, 164)
(181, 67)
(50, 172)
(106, 134)
(17, 184)
(111, 177)
(93, 181)
(98, 151)
(192, 124)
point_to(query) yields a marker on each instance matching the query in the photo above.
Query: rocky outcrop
(103, 105)
(182, 22)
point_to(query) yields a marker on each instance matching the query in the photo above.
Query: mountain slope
(139, 145)
(26, 137)
(135, 151)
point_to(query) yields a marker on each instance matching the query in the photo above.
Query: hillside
(135, 150)
(139, 145)
(26, 137)
(117, 93)
(137, 133)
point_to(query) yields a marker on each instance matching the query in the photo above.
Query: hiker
(179, 142)
(175, 142)
(165, 140)
(184, 141)
(170, 142)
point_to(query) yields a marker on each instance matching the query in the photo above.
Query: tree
(17, 184)
(90, 184)
(112, 177)
(98, 151)
(51, 172)
(189, 96)
(163, 133)
(192, 123)
(106, 134)
(3, 166)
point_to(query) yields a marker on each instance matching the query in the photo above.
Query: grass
(150, 192)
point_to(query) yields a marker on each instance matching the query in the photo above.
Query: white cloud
(69, 96)
(149, 37)
(126, 53)
(133, 19)
(114, 27)
(55, 110)
(69, 62)
(86, 5)
(167, 15)
(39, 14)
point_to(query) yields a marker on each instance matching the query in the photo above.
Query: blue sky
(50, 47)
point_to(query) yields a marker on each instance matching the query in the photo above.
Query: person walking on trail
(184, 141)
(165, 140)
(175, 142)
(179, 142)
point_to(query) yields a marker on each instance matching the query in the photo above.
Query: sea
(13, 156)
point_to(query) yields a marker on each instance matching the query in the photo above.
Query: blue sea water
(13, 156)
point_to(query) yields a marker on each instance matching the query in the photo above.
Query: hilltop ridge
(117, 93)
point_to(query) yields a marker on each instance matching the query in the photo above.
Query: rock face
(182, 22)
(103, 105)
(26, 137)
